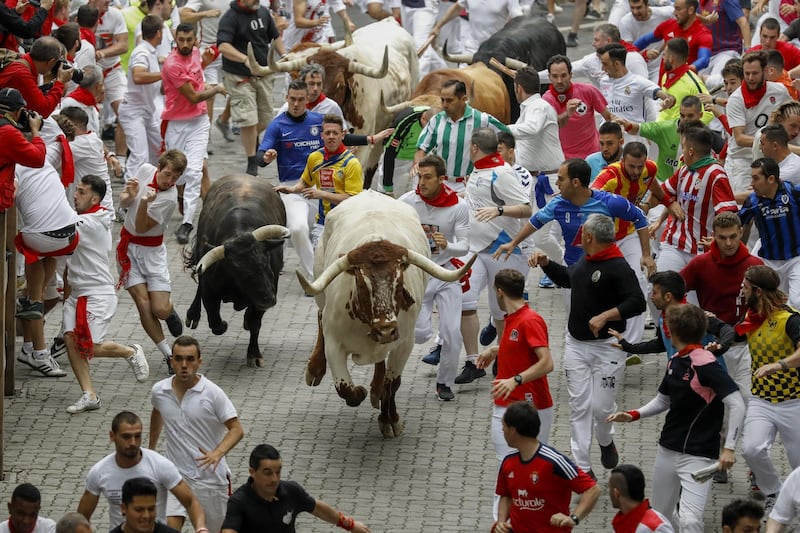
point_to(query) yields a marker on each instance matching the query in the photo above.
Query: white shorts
(116, 85)
(213, 499)
(42, 243)
(100, 309)
(213, 72)
(149, 266)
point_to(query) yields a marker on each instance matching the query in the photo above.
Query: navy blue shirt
(777, 220)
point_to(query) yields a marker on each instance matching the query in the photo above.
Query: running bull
(369, 298)
(238, 254)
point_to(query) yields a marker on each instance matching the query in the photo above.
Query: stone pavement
(438, 476)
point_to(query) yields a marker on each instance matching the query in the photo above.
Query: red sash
(82, 333)
(67, 162)
(31, 255)
(126, 238)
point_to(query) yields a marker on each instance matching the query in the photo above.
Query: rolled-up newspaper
(704, 474)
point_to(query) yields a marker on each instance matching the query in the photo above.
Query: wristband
(494, 527)
(345, 522)
(635, 415)
(783, 364)
(628, 127)
(714, 100)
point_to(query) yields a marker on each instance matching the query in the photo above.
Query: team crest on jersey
(514, 335)
(562, 98)
(535, 477)
(627, 90)
(772, 100)
(596, 276)
(785, 199)
(314, 130)
(287, 518)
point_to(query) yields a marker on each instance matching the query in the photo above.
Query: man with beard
(611, 141)
(686, 24)
(679, 80)
(643, 19)
(23, 512)
(128, 461)
(187, 119)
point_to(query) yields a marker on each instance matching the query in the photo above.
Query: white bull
(369, 298)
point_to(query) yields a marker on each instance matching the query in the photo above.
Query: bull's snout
(384, 331)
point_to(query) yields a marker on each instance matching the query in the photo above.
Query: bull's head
(379, 293)
(271, 232)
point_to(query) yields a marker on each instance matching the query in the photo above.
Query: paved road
(438, 476)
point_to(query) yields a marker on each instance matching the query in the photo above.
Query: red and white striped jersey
(702, 193)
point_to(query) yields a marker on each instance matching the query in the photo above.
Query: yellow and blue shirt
(338, 173)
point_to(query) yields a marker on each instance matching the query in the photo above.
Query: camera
(77, 74)
(24, 122)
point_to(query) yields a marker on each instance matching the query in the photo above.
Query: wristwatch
(575, 519)
(518, 379)
(500, 210)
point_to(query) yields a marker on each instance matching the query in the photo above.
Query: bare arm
(119, 46)
(451, 13)
(190, 16)
(741, 138)
(195, 97)
(156, 424)
(325, 512)
(88, 504)
(744, 27)
(231, 439)
(230, 53)
(300, 20)
(190, 503)
(142, 76)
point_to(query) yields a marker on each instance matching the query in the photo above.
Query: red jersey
(703, 193)
(790, 53)
(524, 331)
(614, 179)
(540, 488)
(697, 35)
(16, 149)
(22, 75)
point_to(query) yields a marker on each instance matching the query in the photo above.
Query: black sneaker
(108, 133)
(592, 13)
(488, 334)
(433, 356)
(721, 476)
(252, 166)
(58, 348)
(609, 456)
(225, 129)
(183, 232)
(469, 373)
(444, 393)
(28, 310)
(572, 40)
(174, 324)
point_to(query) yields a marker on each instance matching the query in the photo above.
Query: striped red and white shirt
(702, 193)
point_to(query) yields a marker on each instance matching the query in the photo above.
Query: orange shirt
(614, 179)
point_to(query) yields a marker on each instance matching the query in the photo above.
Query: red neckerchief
(741, 254)
(674, 75)
(82, 332)
(84, 96)
(88, 36)
(490, 161)
(752, 98)
(446, 197)
(67, 162)
(751, 322)
(59, 22)
(329, 155)
(312, 105)
(93, 209)
(561, 98)
(628, 522)
(688, 349)
(605, 254)
(667, 334)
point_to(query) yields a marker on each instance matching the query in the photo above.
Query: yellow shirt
(768, 344)
(340, 174)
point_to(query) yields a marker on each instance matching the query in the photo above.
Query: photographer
(89, 96)
(46, 58)
(15, 148)
(13, 25)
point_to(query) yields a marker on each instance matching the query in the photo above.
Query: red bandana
(446, 197)
(312, 105)
(752, 98)
(605, 254)
(93, 209)
(674, 75)
(561, 98)
(82, 332)
(751, 322)
(629, 522)
(82, 95)
(88, 36)
(490, 161)
(688, 349)
(329, 155)
(67, 163)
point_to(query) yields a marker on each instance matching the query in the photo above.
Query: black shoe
(572, 40)
(609, 456)
(108, 133)
(28, 310)
(444, 393)
(469, 373)
(183, 232)
(488, 334)
(592, 13)
(174, 324)
(252, 166)
(433, 356)
(720, 477)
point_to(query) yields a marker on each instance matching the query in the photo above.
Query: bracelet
(199, 529)
(345, 522)
(635, 415)
(370, 139)
(714, 100)
(783, 364)
(628, 127)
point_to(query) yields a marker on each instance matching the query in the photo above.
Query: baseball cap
(11, 99)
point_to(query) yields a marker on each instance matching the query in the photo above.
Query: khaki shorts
(250, 99)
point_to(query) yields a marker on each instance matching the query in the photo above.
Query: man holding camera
(45, 58)
(15, 148)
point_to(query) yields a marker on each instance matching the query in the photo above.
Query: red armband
(628, 127)
(634, 415)
(667, 200)
(345, 522)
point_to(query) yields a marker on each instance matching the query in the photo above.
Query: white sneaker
(558, 8)
(550, 17)
(138, 363)
(84, 403)
(46, 366)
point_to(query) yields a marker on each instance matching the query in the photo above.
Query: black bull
(238, 254)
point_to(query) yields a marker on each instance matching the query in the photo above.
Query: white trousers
(763, 422)
(670, 258)
(715, 66)
(595, 371)
(402, 180)
(789, 271)
(297, 209)
(672, 482)
(738, 171)
(484, 270)
(447, 298)
(143, 136)
(632, 250)
(738, 361)
(618, 10)
(190, 137)
(419, 21)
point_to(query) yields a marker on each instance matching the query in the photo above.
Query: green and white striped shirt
(450, 139)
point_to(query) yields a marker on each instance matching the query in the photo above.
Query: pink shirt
(176, 71)
(579, 136)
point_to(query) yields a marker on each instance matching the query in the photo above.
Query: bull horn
(393, 109)
(371, 72)
(516, 64)
(333, 47)
(286, 66)
(212, 256)
(324, 279)
(257, 68)
(437, 271)
(272, 231)
(458, 58)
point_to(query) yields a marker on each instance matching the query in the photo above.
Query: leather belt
(67, 232)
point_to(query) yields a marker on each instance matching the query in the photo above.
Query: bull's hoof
(390, 430)
(352, 396)
(313, 380)
(223, 327)
(375, 400)
(192, 321)
(255, 362)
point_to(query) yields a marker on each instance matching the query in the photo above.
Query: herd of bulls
(368, 297)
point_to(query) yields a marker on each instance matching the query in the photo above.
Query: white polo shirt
(754, 118)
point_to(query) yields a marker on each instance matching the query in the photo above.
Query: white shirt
(142, 97)
(536, 135)
(106, 478)
(92, 112)
(752, 119)
(787, 507)
(315, 9)
(590, 67)
(790, 168)
(631, 29)
(487, 18)
(89, 158)
(207, 27)
(159, 209)
(43, 525)
(631, 97)
(325, 106)
(41, 203)
(451, 221)
(113, 24)
(89, 271)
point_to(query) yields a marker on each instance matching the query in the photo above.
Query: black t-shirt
(160, 528)
(249, 513)
(239, 27)
(695, 391)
